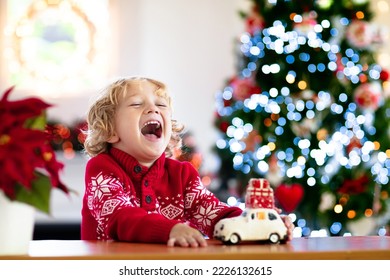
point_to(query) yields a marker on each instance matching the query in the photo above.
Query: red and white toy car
(259, 222)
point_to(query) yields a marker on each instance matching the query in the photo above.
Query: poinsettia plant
(27, 161)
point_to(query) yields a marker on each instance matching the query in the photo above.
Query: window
(272, 216)
(55, 47)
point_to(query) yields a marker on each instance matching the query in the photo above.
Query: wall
(187, 44)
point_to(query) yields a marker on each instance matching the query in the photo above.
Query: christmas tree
(308, 111)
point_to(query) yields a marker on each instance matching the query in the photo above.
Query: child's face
(143, 124)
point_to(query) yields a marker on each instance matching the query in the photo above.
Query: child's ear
(113, 139)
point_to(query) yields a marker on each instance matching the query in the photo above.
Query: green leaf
(38, 122)
(38, 196)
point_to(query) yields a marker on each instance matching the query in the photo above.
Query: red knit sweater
(129, 202)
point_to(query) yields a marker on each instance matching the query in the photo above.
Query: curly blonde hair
(100, 117)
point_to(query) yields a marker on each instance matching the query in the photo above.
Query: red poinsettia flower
(26, 156)
(354, 186)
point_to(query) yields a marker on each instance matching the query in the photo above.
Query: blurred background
(65, 51)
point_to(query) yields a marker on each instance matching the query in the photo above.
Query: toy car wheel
(234, 239)
(274, 238)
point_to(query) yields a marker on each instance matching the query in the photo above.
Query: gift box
(259, 194)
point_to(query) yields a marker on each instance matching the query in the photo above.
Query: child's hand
(289, 225)
(287, 222)
(186, 236)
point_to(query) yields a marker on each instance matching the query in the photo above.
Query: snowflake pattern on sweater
(106, 195)
(150, 200)
(207, 211)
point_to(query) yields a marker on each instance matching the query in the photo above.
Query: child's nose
(152, 109)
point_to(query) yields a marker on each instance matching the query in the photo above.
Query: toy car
(255, 224)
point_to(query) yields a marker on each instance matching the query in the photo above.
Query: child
(134, 191)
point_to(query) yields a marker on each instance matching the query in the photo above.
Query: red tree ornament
(244, 87)
(254, 22)
(289, 196)
(368, 96)
(384, 76)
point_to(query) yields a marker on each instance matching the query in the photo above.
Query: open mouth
(152, 129)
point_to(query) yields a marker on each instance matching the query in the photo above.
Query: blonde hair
(100, 117)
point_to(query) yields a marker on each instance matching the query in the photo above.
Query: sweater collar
(134, 169)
